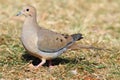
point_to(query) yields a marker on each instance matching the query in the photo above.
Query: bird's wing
(50, 41)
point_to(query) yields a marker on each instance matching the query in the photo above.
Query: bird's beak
(19, 13)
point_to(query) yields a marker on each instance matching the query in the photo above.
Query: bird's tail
(78, 46)
(77, 37)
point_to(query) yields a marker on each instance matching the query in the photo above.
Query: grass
(97, 20)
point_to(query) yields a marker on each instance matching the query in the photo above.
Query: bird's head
(28, 11)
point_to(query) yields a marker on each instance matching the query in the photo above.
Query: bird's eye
(27, 9)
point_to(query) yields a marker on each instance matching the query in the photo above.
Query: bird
(43, 43)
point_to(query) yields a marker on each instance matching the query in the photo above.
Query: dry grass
(98, 20)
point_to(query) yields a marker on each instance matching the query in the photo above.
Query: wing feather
(52, 41)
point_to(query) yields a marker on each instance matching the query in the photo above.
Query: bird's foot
(51, 67)
(31, 66)
(50, 64)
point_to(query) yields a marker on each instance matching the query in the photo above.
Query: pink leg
(40, 64)
(50, 64)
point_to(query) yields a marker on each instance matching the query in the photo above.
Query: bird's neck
(30, 26)
(30, 21)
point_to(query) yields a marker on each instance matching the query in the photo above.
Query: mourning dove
(43, 43)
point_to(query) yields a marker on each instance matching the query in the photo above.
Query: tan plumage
(41, 42)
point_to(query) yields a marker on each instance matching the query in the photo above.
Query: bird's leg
(51, 66)
(40, 64)
(50, 63)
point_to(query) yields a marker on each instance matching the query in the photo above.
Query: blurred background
(97, 20)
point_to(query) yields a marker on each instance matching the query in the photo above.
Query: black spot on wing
(65, 36)
(61, 40)
(57, 38)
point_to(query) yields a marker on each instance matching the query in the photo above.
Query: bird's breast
(29, 39)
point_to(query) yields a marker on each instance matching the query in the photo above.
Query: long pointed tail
(78, 46)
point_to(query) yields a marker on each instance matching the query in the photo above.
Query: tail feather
(78, 46)
(77, 37)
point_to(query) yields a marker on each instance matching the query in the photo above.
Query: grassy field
(97, 20)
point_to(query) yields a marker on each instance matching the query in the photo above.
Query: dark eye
(27, 9)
